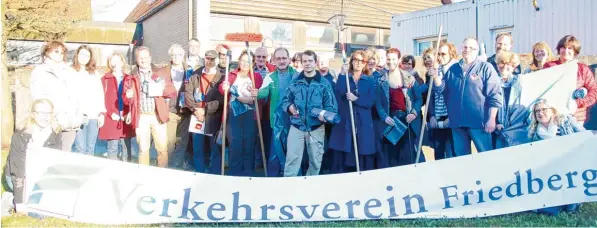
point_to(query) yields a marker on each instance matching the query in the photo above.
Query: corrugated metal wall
(555, 19)
(306, 10)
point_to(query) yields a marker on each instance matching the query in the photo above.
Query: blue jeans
(202, 144)
(243, 134)
(86, 138)
(120, 149)
(462, 140)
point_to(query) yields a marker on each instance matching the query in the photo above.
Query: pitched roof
(144, 8)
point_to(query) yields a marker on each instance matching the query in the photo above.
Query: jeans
(243, 134)
(201, 145)
(296, 146)
(178, 139)
(86, 138)
(441, 141)
(150, 128)
(462, 140)
(120, 149)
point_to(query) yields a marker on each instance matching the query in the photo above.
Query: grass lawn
(587, 217)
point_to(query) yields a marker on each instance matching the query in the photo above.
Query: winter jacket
(90, 93)
(272, 91)
(382, 104)
(307, 96)
(568, 126)
(513, 116)
(213, 100)
(341, 135)
(15, 163)
(161, 105)
(60, 87)
(586, 79)
(116, 101)
(470, 94)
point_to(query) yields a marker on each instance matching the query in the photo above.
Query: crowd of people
(312, 120)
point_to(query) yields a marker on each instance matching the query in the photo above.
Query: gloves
(580, 93)
(330, 117)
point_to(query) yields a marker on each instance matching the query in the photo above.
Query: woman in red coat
(120, 90)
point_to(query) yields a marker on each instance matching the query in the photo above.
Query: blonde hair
(540, 45)
(506, 57)
(124, 66)
(557, 118)
(30, 120)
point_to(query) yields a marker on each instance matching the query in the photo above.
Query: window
(221, 25)
(386, 38)
(280, 32)
(366, 36)
(422, 44)
(320, 35)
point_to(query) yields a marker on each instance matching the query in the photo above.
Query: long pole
(228, 56)
(257, 111)
(354, 133)
(430, 84)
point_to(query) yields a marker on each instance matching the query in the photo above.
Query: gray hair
(174, 48)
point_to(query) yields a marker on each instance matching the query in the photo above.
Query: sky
(112, 10)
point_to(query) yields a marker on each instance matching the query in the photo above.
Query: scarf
(547, 132)
(508, 83)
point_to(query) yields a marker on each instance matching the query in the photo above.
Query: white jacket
(57, 85)
(90, 93)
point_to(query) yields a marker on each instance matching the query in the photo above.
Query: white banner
(96, 190)
(556, 84)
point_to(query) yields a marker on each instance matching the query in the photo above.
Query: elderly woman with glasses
(362, 95)
(547, 123)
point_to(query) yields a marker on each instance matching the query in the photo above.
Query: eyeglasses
(361, 61)
(541, 110)
(44, 114)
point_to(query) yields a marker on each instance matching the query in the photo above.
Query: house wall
(168, 26)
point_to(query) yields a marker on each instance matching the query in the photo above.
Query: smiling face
(372, 65)
(281, 59)
(243, 63)
(144, 59)
(504, 43)
(428, 60)
(470, 50)
(358, 63)
(116, 63)
(506, 69)
(444, 55)
(83, 57)
(392, 61)
(43, 114)
(543, 113)
(407, 64)
(540, 54)
(567, 54)
(261, 56)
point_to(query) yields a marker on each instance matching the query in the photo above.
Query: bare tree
(40, 20)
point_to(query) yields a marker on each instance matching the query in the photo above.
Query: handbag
(394, 133)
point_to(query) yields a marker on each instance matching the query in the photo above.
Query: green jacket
(271, 92)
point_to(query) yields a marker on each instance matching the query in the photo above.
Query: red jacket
(162, 108)
(119, 129)
(584, 79)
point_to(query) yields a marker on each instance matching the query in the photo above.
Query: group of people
(312, 120)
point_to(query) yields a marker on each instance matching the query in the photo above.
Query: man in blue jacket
(474, 96)
(308, 91)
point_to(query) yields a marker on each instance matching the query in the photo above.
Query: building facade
(547, 20)
(294, 24)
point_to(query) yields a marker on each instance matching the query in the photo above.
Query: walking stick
(228, 56)
(430, 84)
(252, 37)
(354, 133)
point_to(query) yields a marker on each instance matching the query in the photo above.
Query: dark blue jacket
(341, 136)
(305, 97)
(382, 103)
(470, 94)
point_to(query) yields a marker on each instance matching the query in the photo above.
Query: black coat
(15, 164)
